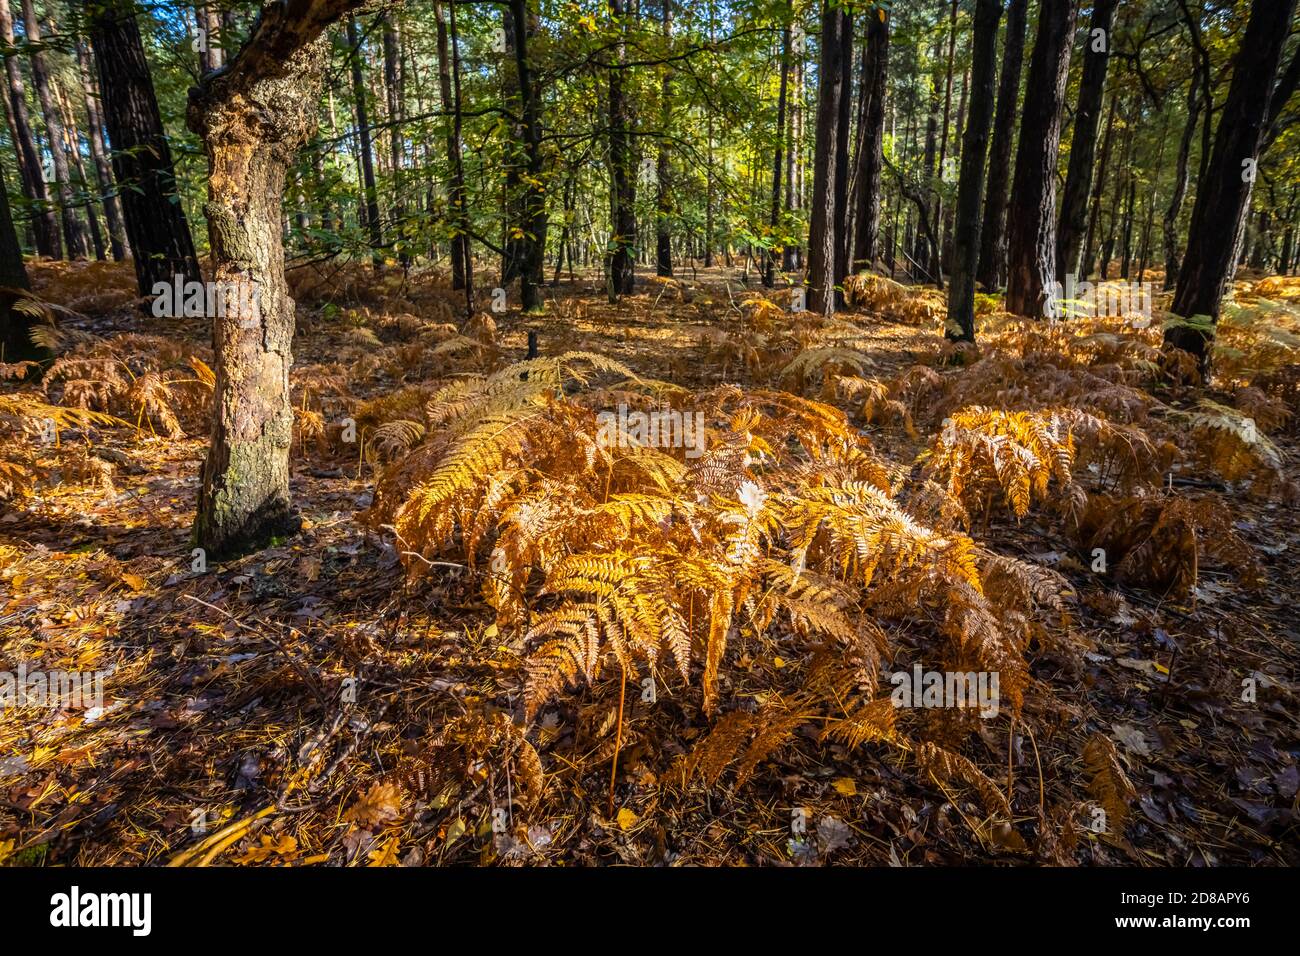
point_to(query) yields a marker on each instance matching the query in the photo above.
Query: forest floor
(262, 711)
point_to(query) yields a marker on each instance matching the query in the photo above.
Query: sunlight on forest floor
(868, 498)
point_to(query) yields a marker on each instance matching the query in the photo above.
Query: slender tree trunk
(1180, 186)
(843, 231)
(253, 119)
(460, 263)
(622, 187)
(970, 183)
(161, 245)
(1031, 227)
(822, 240)
(393, 95)
(103, 171)
(875, 67)
(15, 327)
(663, 190)
(1220, 211)
(1083, 143)
(769, 255)
(993, 233)
(533, 200)
(73, 146)
(45, 222)
(365, 149)
(74, 236)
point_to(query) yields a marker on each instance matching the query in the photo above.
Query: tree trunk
(1083, 143)
(769, 254)
(875, 65)
(72, 136)
(622, 186)
(970, 183)
(1180, 186)
(103, 171)
(393, 90)
(843, 233)
(663, 192)
(822, 242)
(1031, 215)
(45, 222)
(533, 224)
(1218, 217)
(254, 118)
(461, 267)
(993, 233)
(161, 244)
(15, 327)
(1094, 216)
(364, 147)
(74, 236)
(790, 256)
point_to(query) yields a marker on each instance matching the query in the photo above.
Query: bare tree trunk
(15, 327)
(769, 255)
(970, 183)
(533, 201)
(253, 119)
(663, 171)
(875, 67)
(993, 234)
(461, 267)
(161, 244)
(45, 222)
(364, 147)
(790, 256)
(103, 171)
(1031, 225)
(1083, 143)
(74, 236)
(1218, 217)
(393, 95)
(822, 240)
(1180, 186)
(622, 188)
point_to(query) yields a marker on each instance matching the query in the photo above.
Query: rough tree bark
(533, 221)
(1219, 215)
(866, 181)
(822, 240)
(1083, 144)
(970, 181)
(993, 234)
(1031, 214)
(45, 222)
(161, 243)
(15, 327)
(253, 118)
(448, 63)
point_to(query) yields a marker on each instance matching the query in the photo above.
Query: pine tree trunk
(15, 327)
(364, 146)
(1180, 186)
(663, 188)
(393, 100)
(461, 268)
(533, 223)
(769, 255)
(160, 239)
(1218, 218)
(993, 233)
(254, 118)
(1031, 214)
(822, 242)
(970, 182)
(103, 171)
(1083, 144)
(622, 188)
(875, 68)
(45, 222)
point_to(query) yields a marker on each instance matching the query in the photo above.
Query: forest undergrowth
(513, 630)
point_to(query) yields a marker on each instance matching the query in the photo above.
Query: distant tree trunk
(1180, 186)
(622, 187)
(73, 136)
(15, 327)
(663, 193)
(792, 258)
(461, 268)
(769, 255)
(74, 235)
(161, 245)
(253, 119)
(533, 200)
(875, 65)
(103, 171)
(822, 240)
(393, 96)
(1083, 144)
(45, 222)
(970, 183)
(843, 232)
(1218, 217)
(364, 147)
(1127, 259)
(993, 233)
(1094, 215)
(1031, 215)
